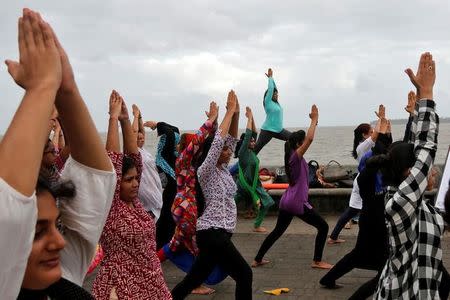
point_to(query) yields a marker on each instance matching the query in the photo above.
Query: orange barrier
(275, 186)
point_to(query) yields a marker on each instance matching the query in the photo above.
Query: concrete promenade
(290, 263)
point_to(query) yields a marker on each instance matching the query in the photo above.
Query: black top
(62, 289)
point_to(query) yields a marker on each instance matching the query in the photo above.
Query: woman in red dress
(130, 268)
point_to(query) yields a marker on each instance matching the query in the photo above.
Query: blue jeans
(348, 214)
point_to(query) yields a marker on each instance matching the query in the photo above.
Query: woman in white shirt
(34, 256)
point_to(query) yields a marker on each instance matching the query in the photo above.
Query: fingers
(21, 38)
(48, 36)
(13, 68)
(411, 75)
(28, 30)
(37, 30)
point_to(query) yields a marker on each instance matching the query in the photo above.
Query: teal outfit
(274, 112)
(248, 181)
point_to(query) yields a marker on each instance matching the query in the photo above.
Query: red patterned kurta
(130, 263)
(184, 208)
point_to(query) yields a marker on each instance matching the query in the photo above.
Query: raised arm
(412, 188)
(314, 115)
(233, 131)
(227, 119)
(112, 138)
(86, 146)
(136, 117)
(39, 73)
(243, 151)
(411, 109)
(271, 86)
(129, 137)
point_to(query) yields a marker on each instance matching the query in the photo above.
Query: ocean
(329, 143)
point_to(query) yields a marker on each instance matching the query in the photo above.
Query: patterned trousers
(184, 213)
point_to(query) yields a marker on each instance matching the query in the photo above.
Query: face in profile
(43, 267)
(140, 140)
(129, 186)
(252, 143)
(225, 155)
(368, 134)
(49, 155)
(275, 96)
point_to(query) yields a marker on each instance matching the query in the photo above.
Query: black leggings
(311, 217)
(216, 248)
(165, 226)
(265, 136)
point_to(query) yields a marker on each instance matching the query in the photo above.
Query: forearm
(407, 135)
(234, 125)
(135, 124)
(129, 137)
(427, 126)
(226, 122)
(22, 145)
(87, 147)
(250, 123)
(112, 138)
(309, 138)
(141, 125)
(253, 124)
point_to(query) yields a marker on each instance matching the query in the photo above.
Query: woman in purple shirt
(216, 225)
(294, 201)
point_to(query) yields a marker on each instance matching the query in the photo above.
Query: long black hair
(393, 165)
(265, 94)
(291, 145)
(238, 145)
(358, 134)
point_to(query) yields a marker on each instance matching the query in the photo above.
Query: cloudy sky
(172, 57)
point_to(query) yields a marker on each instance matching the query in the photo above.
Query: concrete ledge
(327, 201)
(332, 192)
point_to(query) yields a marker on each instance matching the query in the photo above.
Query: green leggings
(262, 212)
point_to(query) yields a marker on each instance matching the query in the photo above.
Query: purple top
(218, 188)
(296, 196)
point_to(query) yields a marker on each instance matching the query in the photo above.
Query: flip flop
(277, 292)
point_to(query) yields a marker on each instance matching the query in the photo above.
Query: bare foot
(348, 225)
(261, 263)
(321, 265)
(337, 241)
(259, 229)
(202, 290)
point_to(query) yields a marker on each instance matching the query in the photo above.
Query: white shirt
(83, 216)
(363, 148)
(150, 188)
(18, 215)
(355, 198)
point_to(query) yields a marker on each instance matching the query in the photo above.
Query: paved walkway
(290, 258)
(290, 263)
